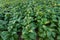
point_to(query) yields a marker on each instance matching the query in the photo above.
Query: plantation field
(29, 19)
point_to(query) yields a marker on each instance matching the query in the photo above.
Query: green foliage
(30, 17)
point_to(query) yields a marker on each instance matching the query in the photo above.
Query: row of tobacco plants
(29, 19)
